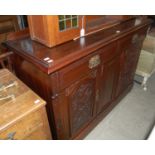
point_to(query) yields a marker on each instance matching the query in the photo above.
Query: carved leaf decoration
(81, 105)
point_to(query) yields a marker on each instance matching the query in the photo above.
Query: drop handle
(10, 136)
(12, 84)
(7, 97)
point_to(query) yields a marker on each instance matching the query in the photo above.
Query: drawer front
(23, 128)
(109, 52)
(133, 38)
(79, 69)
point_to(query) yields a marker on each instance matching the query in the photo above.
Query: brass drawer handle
(94, 61)
(7, 97)
(10, 136)
(12, 84)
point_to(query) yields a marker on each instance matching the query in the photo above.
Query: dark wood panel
(130, 47)
(108, 82)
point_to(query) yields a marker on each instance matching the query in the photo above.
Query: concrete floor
(132, 119)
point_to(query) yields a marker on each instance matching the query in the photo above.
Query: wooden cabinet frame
(59, 83)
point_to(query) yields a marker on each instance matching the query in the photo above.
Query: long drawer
(77, 70)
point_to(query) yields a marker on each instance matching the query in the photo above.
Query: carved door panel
(74, 107)
(130, 50)
(82, 101)
(109, 76)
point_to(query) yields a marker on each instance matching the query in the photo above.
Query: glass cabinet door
(67, 22)
(67, 27)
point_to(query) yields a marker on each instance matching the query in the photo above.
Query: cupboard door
(108, 79)
(130, 50)
(74, 108)
(82, 100)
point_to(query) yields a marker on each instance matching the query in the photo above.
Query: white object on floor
(146, 63)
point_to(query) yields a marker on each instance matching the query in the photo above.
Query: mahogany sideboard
(81, 80)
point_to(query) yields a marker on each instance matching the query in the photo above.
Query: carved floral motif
(81, 105)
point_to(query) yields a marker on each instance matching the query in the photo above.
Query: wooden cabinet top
(16, 99)
(52, 59)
